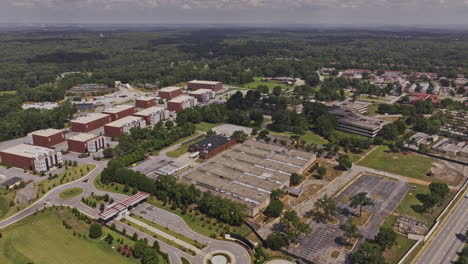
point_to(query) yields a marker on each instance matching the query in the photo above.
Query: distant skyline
(275, 12)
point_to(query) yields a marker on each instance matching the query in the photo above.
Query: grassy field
(372, 109)
(410, 165)
(7, 92)
(182, 150)
(204, 126)
(197, 221)
(70, 193)
(371, 98)
(309, 137)
(403, 244)
(258, 81)
(410, 200)
(44, 240)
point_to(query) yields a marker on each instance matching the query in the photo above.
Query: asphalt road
(450, 239)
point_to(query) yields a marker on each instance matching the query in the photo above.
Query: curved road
(146, 210)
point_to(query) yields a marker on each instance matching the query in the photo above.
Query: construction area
(248, 172)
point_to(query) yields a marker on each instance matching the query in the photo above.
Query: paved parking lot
(385, 193)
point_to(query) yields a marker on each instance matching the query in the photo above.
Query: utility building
(29, 157)
(170, 92)
(195, 85)
(180, 103)
(46, 137)
(85, 142)
(123, 126)
(203, 95)
(90, 122)
(145, 102)
(153, 115)
(120, 210)
(120, 111)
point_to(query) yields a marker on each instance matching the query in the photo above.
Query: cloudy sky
(403, 12)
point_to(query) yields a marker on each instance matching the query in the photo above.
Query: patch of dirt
(450, 172)
(27, 194)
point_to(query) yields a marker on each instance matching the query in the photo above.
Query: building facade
(211, 85)
(120, 111)
(170, 92)
(352, 121)
(90, 122)
(153, 115)
(84, 142)
(145, 102)
(180, 103)
(29, 157)
(46, 137)
(123, 126)
(203, 95)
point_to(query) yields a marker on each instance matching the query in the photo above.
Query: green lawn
(375, 99)
(405, 207)
(410, 165)
(308, 136)
(204, 126)
(7, 92)
(258, 81)
(70, 193)
(182, 150)
(42, 239)
(372, 109)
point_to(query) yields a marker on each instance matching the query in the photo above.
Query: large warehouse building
(29, 157)
(90, 122)
(153, 115)
(46, 137)
(123, 126)
(195, 85)
(212, 145)
(249, 172)
(203, 95)
(145, 102)
(85, 142)
(120, 111)
(180, 103)
(170, 92)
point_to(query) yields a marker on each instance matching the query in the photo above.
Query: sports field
(410, 165)
(42, 239)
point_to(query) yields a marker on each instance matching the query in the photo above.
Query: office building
(123, 126)
(90, 122)
(85, 142)
(30, 157)
(46, 137)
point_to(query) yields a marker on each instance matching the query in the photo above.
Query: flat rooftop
(212, 142)
(26, 150)
(204, 82)
(200, 91)
(117, 109)
(353, 118)
(149, 111)
(83, 137)
(146, 99)
(182, 98)
(89, 118)
(46, 132)
(123, 121)
(170, 89)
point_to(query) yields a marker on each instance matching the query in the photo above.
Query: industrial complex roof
(182, 98)
(200, 91)
(117, 109)
(212, 142)
(123, 121)
(46, 132)
(170, 89)
(149, 111)
(89, 118)
(28, 151)
(146, 98)
(204, 82)
(124, 205)
(83, 137)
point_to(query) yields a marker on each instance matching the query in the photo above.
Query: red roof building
(85, 142)
(90, 122)
(170, 92)
(120, 210)
(46, 137)
(120, 111)
(423, 96)
(211, 85)
(145, 102)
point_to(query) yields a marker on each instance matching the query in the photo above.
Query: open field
(70, 193)
(372, 109)
(410, 165)
(372, 98)
(308, 136)
(55, 244)
(410, 200)
(7, 92)
(258, 81)
(182, 150)
(204, 126)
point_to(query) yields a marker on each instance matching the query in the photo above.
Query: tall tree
(360, 200)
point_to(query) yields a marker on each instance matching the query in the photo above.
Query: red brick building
(30, 157)
(90, 122)
(211, 85)
(46, 137)
(203, 95)
(85, 142)
(123, 126)
(181, 102)
(145, 102)
(170, 92)
(120, 111)
(212, 145)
